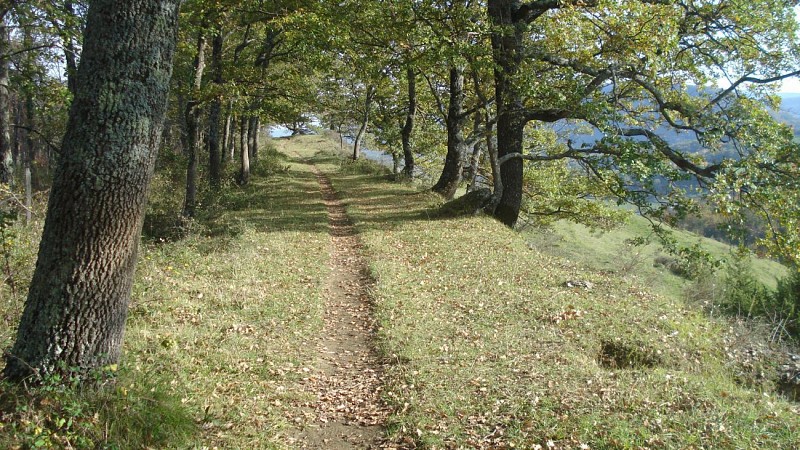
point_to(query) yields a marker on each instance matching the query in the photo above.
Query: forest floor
(326, 306)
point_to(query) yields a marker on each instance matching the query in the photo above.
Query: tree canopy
(562, 108)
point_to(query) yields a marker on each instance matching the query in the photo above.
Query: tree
(75, 313)
(6, 161)
(408, 127)
(637, 74)
(192, 116)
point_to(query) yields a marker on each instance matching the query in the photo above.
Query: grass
(487, 346)
(492, 350)
(221, 323)
(612, 252)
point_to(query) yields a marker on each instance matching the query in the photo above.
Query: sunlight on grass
(492, 349)
(487, 344)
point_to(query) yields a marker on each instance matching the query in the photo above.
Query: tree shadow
(385, 204)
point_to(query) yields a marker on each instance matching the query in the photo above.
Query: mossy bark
(74, 317)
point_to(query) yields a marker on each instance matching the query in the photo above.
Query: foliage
(556, 190)
(786, 301)
(744, 296)
(18, 245)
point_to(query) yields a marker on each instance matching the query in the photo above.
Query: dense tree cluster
(559, 107)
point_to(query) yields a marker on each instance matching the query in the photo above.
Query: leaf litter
(345, 409)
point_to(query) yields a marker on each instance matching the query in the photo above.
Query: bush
(743, 295)
(740, 294)
(786, 299)
(269, 162)
(363, 166)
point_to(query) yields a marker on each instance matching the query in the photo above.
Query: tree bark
(456, 144)
(6, 156)
(408, 128)
(364, 123)
(475, 160)
(244, 171)
(74, 317)
(192, 115)
(497, 180)
(396, 158)
(252, 132)
(29, 153)
(214, 152)
(228, 136)
(506, 49)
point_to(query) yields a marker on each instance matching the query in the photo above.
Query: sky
(791, 85)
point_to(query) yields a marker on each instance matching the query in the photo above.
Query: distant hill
(790, 111)
(791, 103)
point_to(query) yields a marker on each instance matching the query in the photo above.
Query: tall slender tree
(192, 117)
(6, 158)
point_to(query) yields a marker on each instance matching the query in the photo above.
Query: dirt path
(348, 413)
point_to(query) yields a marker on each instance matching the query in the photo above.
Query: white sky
(792, 84)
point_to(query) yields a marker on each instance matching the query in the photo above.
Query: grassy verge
(612, 252)
(221, 325)
(492, 349)
(489, 347)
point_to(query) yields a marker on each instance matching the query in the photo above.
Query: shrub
(786, 299)
(743, 295)
(740, 294)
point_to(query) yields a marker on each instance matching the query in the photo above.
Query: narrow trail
(346, 381)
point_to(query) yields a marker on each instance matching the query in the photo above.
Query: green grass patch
(494, 339)
(223, 318)
(491, 349)
(613, 252)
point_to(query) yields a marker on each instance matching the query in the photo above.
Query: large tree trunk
(6, 156)
(192, 115)
(475, 160)
(456, 144)
(408, 128)
(506, 49)
(364, 122)
(75, 313)
(214, 152)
